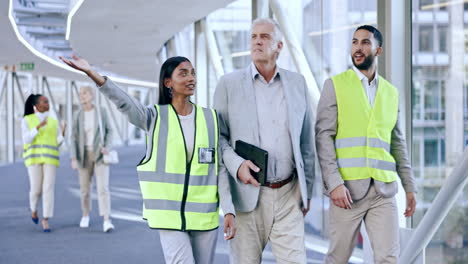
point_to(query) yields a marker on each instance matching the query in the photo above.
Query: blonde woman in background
(42, 137)
(86, 152)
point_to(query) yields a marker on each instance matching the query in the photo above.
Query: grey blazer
(234, 101)
(144, 117)
(77, 146)
(325, 132)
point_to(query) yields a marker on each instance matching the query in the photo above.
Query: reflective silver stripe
(382, 165)
(162, 138)
(361, 142)
(157, 204)
(149, 176)
(210, 123)
(351, 162)
(41, 146)
(150, 137)
(377, 143)
(361, 163)
(41, 155)
(351, 142)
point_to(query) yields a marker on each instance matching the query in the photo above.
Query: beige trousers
(42, 181)
(380, 218)
(277, 218)
(191, 247)
(102, 185)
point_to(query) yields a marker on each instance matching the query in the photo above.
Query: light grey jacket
(77, 146)
(235, 103)
(325, 133)
(144, 118)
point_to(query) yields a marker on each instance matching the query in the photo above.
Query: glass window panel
(431, 100)
(426, 37)
(430, 82)
(443, 4)
(416, 100)
(442, 100)
(442, 151)
(416, 158)
(443, 31)
(424, 4)
(466, 100)
(430, 152)
(231, 27)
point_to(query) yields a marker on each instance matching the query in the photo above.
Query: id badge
(206, 155)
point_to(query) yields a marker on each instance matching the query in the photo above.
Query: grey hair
(277, 35)
(88, 88)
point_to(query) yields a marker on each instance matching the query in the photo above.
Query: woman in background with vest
(41, 137)
(87, 151)
(180, 181)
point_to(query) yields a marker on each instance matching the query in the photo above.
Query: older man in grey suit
(268, 107)
(361, 149)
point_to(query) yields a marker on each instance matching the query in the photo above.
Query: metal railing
(439, 209)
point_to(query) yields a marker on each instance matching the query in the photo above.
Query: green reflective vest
(44, 147)
(180, 194)
(364, 133)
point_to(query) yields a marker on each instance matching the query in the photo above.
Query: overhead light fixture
(240, 54)
(448, 3)
(326, 31)
(70, 16)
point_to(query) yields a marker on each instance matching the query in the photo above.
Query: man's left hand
(305, 209)
(229, 227)
(410, 204)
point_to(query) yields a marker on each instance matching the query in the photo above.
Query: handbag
(112, 157)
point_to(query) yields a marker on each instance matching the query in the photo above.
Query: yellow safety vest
(364, 133)
(44, 148)
(180, 194)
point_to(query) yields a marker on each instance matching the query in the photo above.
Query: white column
(10, 109)
(201, 64)
(454, 125)
(212, 49)
(69, 110)
(339, 56)
(395, 66)
(260, 9)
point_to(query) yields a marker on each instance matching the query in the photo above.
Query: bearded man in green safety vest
(362, 149)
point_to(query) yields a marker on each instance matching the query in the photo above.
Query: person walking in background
(268, 107)
(180, 181)
(42, 137)
(87, 151)
(362, 149)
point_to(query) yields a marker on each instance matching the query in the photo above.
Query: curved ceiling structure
(13, 52)
(120, 37)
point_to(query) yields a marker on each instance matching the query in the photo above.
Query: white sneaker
(107, 226)
(84, 223)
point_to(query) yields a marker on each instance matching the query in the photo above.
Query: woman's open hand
(77, 63)
(82, 65)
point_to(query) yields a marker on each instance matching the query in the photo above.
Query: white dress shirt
(273, 125)
(369, 88)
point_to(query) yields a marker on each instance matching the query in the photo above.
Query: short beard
(368, 61)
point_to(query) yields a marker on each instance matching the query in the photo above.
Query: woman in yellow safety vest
(181, 184)
(41, 137)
